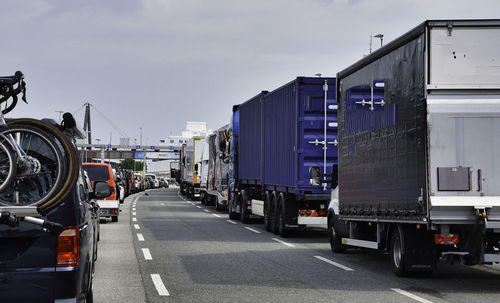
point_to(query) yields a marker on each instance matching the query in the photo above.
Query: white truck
(419, 123)
(191, 158)
(219, 167)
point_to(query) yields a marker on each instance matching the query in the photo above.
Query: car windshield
(97, 173)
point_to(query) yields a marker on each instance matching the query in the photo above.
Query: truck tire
(274, 213)
(230, 208)
(398, 254)
(244, 216)
(267, 213)
(334, 238)
(114, 219)
(190, 192)
(282, 229)
(203, 199)
(218, 206)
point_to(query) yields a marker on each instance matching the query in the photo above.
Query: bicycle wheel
(7, 163)
(70, 159)
(39, 172)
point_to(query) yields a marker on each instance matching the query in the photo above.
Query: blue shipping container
(281, 141)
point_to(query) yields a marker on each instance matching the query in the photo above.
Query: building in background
(192, 129)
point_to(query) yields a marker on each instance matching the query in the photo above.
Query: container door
(318, 137)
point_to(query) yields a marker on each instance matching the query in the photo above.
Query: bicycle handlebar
(8, 90)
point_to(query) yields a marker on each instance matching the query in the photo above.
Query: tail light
(68, 248)
(322, 213)
(308, 212)
(302, 212)
(448, 239)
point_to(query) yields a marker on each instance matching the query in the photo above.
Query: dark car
(44, 264)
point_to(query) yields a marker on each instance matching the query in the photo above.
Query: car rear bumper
(41, 285)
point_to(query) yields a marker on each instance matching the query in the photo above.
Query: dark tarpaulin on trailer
(382, 162)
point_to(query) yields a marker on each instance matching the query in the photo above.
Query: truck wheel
(114, 219)
(232, 215)
(267, 213)
(190, 192)
(203, 199)
(282, 229)
(335, 239)
(243, 214)
(275, 214)
(398, 254)
(218, 207)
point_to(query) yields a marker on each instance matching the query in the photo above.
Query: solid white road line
(206, 210)
(334, 263)
(147, 254)
(160, 287)
(216, 215)
(410, 295)
(232, 222)
(134, 213)
(136, 226)
(253, 230)
(283, 242)
(140, 237)
(134, 219)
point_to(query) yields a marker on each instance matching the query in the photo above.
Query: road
(187, 252)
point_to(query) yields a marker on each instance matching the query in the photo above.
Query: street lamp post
(381, 37)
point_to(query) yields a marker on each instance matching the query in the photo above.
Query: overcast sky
(156, 64)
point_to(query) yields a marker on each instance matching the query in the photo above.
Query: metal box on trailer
(293, 133)
(250, 143)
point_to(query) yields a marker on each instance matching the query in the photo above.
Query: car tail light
(302, 212)
(68, 248)
(448, 239)
(308, 212)
(322, 213)
(113, 211)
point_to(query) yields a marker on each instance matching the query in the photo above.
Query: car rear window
(97, 173)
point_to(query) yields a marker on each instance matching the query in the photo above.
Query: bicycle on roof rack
(38, 159)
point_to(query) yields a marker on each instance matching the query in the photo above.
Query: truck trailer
(418, 173)
(283, 149)
(191, 158)
(215, 192)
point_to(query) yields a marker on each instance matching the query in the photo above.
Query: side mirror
(101, 190)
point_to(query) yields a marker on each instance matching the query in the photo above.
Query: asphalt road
(187, 252)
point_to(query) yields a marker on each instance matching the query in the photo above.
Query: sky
(155, 64)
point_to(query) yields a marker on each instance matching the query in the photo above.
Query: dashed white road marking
(140, 237)
(133, 208)
(160, 287)
(206, 210)
(134, 219)
(232, 222)
(283, 242)
(410, 295)
(136, 226)
(252, 230)
(198, 206)
(334, 263)
(134, 213)
(216, 215)
(147, 254)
